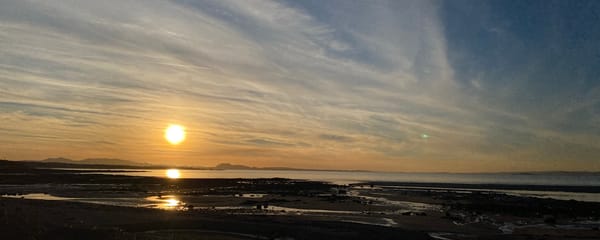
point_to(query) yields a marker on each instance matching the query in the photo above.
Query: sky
(427, 86)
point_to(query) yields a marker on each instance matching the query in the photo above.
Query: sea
(348, 177)
(580, 186)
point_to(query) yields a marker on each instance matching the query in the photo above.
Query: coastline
(51, 204)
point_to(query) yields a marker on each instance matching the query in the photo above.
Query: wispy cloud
(257, 82)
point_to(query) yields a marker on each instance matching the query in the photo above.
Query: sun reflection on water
(169, 202)
(172, 202)
(173, 173)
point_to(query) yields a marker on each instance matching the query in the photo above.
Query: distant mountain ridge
(95, 161)
(229, 166)
(107, 162)
(112, 163)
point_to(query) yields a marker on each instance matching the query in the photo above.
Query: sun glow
(175, 134)
(173, 173)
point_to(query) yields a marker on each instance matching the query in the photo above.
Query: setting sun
(173, 173)
(175, 134)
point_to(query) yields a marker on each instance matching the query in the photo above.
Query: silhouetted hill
(105, 163)
(95, 161)
(229, 166)
(59, 160)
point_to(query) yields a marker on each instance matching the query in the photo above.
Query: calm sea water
(337, 177)
(556, 179)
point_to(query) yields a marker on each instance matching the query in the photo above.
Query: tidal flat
(66, 204)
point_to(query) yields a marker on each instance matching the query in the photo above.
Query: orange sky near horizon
(387, 86)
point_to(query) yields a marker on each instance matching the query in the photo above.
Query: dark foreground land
(37, 219)
(66, 204)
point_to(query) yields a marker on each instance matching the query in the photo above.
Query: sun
(173, 173)
(175, 134)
